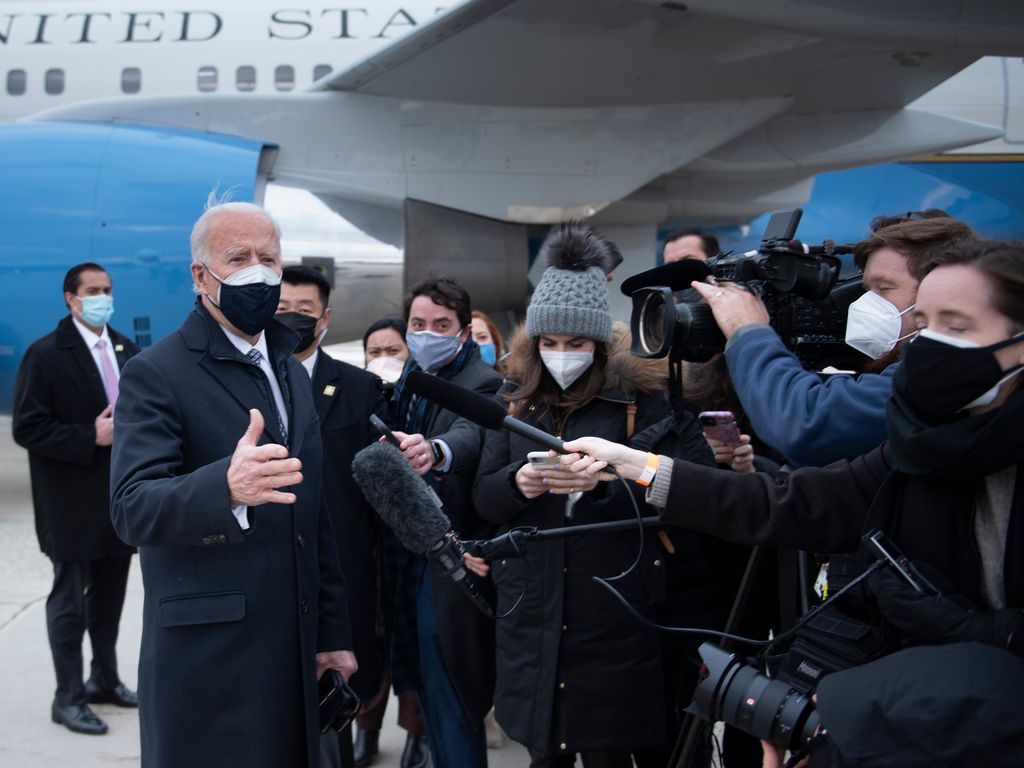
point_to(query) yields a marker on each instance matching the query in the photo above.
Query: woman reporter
(947, 487)
(576, 674)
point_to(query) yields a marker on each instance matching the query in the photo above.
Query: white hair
(214, 208)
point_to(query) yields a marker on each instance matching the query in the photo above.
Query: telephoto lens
(741, 696)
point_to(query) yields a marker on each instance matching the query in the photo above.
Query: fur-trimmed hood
(624, 373)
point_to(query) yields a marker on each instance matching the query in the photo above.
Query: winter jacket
(810, 420)
(576, 672)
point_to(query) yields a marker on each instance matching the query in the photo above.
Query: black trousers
(86, 596)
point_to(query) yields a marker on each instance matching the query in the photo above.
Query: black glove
(942, 618)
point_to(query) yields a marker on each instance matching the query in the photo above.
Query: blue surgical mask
(97, 310)
(248, 298)
(432, 351)
(488, 353)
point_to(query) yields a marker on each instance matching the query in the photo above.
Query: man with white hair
(216, 477)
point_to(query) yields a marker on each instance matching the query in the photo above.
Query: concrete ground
(27, 737)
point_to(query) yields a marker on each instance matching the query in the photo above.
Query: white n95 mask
(566, 367)
(873, 325)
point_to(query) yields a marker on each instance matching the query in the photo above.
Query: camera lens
(744, 698)
(652, 324)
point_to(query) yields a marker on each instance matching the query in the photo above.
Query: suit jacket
(345, 397)
(232, 620)
(58, 395)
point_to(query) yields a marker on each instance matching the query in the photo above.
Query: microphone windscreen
(402, 498)
(676, 275)
(480, 410)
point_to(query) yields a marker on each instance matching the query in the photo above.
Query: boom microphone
(410, 508)
(480, 410)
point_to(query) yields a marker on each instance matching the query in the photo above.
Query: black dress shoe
(415, 753)
(78, 718)
(119, 696)
(365, 748)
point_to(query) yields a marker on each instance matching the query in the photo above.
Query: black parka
(576, 672)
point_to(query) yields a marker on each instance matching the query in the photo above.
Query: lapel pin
(119, 347)
(329, 390)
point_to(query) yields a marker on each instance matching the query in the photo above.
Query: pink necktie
(107, 369)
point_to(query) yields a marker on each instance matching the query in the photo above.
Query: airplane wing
(538, 110)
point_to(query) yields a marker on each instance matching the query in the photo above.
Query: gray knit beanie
(572, 296)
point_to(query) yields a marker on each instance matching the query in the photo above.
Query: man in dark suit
(216, 476)
(450, 660)
(344, 397)
(65, 393)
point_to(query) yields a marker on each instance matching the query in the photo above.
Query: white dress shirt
(91, 339)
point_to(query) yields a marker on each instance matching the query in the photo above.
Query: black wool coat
(575, 671)
(58, 395)
(345, 397)
(232, 620)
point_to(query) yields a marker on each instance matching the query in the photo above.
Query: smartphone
(541, 460)
(721, 426)
(887, 550)
(378, 423)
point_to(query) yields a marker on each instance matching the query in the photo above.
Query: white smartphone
(541, 460)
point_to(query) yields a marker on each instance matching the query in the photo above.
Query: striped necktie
(255, 357)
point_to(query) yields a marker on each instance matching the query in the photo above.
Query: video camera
(799, 284)
(779, 708)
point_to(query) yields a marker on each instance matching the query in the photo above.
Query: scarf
(927, 503)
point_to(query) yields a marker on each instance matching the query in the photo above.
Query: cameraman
(948, 487)
(814, 421)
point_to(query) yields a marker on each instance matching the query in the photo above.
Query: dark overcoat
(232, 620)
(575, 671)
(345, 397)
(58, 395)
(466, 635)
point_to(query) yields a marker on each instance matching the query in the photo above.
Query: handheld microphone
(480, 410)
(410, 508)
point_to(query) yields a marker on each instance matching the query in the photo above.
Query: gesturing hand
(256, 471)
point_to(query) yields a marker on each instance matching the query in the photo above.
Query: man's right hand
(105, 426)
(733, 306)
(256, 471)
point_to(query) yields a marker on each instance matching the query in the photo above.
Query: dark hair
(385, 322)
(301, 275)
(1002, 263)
(73, 278)
(496, 337)
(708, 241)
(916, 240)
(881, 222)
(444, 292)
(537, 388)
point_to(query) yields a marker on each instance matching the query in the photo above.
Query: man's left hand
(732, 306)
(343, 661)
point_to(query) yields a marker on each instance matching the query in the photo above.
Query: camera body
(799, 285)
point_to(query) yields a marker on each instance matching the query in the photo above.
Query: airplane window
(284, 78)
(206, 79)
(16, 81)
(321, 70)
(245, 78)
(131, 80)
(54, 81)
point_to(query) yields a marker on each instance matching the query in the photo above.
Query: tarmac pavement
(27, 737)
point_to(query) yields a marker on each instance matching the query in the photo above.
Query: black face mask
(247, 307)
(940, 379)
(304, 325)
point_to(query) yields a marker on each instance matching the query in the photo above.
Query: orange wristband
(649, 471)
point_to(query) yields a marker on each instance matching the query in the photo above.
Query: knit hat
(572, 295)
